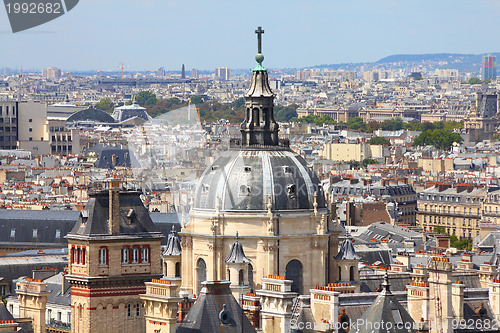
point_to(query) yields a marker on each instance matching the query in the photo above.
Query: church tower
(267, 193)
(114, 249)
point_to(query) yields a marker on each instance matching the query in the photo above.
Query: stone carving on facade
(321, 225)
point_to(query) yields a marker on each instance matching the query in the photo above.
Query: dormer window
(288, 170)
(204, 189)
(244, 190)
(247, 169)
(291, 189)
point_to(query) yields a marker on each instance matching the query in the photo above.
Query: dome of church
(261, 173)
(245, 179)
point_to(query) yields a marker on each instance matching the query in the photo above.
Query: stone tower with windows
(114, 249)
(483, 120)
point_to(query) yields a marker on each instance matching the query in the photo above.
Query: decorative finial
(217, 208)
(259, 57)
(269, 203)
(237, 236)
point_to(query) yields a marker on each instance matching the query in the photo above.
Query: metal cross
(259, 33)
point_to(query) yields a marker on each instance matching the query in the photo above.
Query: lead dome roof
(243, 179)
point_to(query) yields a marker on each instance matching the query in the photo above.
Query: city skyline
(100, 35)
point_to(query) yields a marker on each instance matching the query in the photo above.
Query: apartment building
(457, 209)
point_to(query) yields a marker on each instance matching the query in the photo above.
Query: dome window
(248, 169)
(291, 189)
(244, 190)
(204, 189)
(288, 170)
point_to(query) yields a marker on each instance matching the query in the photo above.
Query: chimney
(494, 296)
(114, 206)
(457, 297)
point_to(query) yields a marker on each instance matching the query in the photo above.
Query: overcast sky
(147, 34)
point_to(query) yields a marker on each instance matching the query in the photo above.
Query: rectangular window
(103, 256)
(145, 254)
(129, 310)
(59, 315)
(58, 233)
(135, 255)
(30, 120)
(12, 233)
(83, 256)
(30, 138)
(30, 129)
(125, 255)
(138, 310)
(35, 233)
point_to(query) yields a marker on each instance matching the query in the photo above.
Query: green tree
(285, 113)
(393, 124)
(146, 98)
(197, 99)
(238, 103)
(356, 123)
(376, 140)
(105, 105)
(318, 120)
(368, 161)
(353, 165)
(451, 124)
(439, 138)
(460, 244)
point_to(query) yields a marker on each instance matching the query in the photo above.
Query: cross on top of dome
(259, 57)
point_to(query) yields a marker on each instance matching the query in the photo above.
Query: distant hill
(462, 62)
(426, 57)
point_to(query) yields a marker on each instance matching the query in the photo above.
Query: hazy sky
(147, 34)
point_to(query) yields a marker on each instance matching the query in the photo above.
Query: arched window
(240, 277)
(250, 276)
(352, 275)
(340, 273)
(255, 117)
(201, 274)
(293, 271)
(177, 269)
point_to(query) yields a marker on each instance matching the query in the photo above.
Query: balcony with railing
(57, 326)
